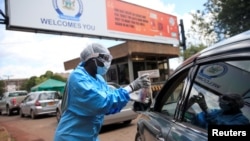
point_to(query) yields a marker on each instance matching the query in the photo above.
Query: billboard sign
(93, 18)
(152, 73)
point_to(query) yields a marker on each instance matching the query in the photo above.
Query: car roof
(232, 44)
(16, 91)
(39, 92)
(43, 91)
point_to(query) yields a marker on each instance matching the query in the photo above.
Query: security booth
(134, 57)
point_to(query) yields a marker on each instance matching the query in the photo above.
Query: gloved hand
(202, 102)
(192, 100)
(141, 82)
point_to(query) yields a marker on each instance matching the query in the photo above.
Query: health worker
(88, 98)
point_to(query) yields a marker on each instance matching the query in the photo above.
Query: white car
(125, 116)
(39, 103)
(10, 101)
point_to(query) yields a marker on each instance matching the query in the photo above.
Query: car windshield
(47, 96)
(15, 94)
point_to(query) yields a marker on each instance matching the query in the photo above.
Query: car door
(27, 103)
(212, 79)
(23, 104)
(169, 102)
(161, 122)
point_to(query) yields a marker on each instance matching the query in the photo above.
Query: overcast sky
(26, 54)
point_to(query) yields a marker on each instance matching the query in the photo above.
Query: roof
(50, 84)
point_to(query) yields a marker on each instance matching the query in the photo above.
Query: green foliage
(48, 74)
(29, 83)
(234, 16)
(191, 50)
(1, 87)
(34, 80)
(221, 19)
(58, 77)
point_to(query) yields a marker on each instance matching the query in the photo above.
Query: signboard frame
(109, 19)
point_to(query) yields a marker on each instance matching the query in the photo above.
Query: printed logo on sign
(212, 71)
(68, 9)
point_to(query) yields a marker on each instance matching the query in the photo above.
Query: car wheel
(8, 111)
(58, 115)
(21, 113)
(32, 114)
(138, 137)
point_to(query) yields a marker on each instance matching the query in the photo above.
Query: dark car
(217, 70)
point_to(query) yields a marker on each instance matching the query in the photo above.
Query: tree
(234, 16)
(221, 19)
(2, 87)
(59, 77)
(34, 80)
(30, 83)
(191, 50)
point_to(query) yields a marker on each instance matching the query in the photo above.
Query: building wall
(130, 48)
(13, 84)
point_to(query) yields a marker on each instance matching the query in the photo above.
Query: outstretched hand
(141, 82)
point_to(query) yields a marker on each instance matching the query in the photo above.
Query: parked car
(10, 101)
(125, 116)
(39, 103)
(220, 69)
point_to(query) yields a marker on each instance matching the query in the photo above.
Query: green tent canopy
(50, 84)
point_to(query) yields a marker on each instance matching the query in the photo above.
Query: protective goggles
(105, 57)
(101, 57)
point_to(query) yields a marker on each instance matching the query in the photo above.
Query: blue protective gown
(89, 99)
(216, 117)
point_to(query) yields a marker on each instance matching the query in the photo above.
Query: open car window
(173, 94)
(216, 79)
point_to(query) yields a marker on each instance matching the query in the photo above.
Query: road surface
(43, 128)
